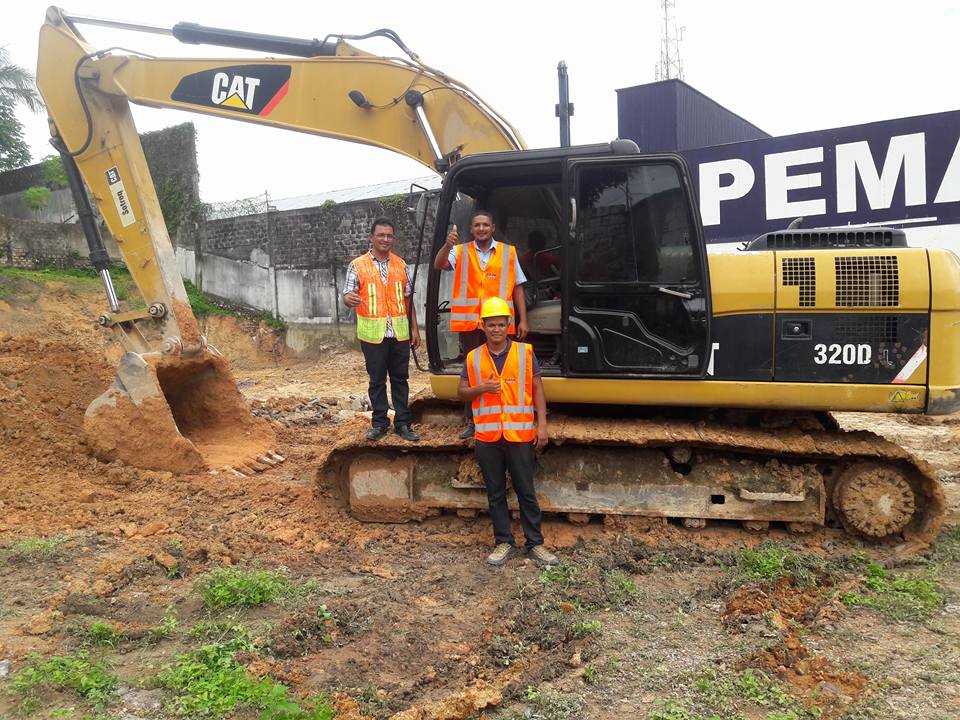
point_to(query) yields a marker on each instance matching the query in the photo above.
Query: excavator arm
(170, 383)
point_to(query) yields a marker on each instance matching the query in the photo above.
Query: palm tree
(17, 84)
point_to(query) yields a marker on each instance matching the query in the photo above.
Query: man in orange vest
(484, 269)
(501, 381)
(378, 285)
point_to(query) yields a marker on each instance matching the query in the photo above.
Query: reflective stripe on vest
(471, 284)
(379, 299)
(510, 414)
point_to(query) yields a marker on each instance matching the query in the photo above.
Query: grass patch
(771, 563)
(37, 548)
(540, 704)
(204, 305)
(230, 587)
(712, 695)
(563, 575)
(165, 629)
(946, 549)
(92, 680)
(621, 589)
(209, 682)
(102, 634)
(78, 278)
(897, 596)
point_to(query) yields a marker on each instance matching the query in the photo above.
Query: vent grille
(868, 281)
(817, 239)
(876, 329)
(802, 273)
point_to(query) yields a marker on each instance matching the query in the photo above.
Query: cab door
(636, 289)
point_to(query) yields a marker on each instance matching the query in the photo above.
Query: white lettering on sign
(238, 86)
(120, 198)
(779, 184)
(906, 153)
(950, 186)
(712, 193)
(725, 181)
(836, 354)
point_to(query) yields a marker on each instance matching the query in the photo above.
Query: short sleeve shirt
(484, 257)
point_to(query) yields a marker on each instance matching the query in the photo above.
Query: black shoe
(467, 432)
(406, 433)
(377, 432)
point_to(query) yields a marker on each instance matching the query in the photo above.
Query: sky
(786, 67)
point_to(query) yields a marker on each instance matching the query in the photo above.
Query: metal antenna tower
(670, 65)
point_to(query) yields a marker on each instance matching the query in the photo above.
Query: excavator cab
(617, 279)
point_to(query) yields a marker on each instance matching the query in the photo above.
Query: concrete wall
(26, 243)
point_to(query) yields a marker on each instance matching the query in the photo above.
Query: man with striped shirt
(378, 285)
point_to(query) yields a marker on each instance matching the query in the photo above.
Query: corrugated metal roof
(365, 192)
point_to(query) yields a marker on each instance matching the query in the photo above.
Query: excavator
(682, 384)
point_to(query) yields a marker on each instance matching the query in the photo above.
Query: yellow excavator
(682, 384)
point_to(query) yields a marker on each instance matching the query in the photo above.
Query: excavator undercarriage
(801, 471)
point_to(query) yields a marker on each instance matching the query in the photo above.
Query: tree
(16, 86)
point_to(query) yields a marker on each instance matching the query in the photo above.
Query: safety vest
(378, 300)
(471, 285)
(510, 414)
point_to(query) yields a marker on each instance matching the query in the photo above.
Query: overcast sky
(786, 67)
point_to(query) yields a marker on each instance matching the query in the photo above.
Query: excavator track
(804, 474)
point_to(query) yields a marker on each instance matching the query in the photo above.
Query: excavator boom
(173, 392)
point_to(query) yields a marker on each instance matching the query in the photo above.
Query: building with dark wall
(904, 173)
(670, 115)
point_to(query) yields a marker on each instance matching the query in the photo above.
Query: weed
(219, 630)
(622, 589)
(946, 549)
(771, 563)
(671, 710)
(165, 628)
(664, 560)
(759, 689)
(545, 704)
(203, 304)
(587, 627)
(209, 682)
(102, 634)
(91, 679)
(563, 575)
(590, 675)
(897, 596)
(229, 587)
(37, 548)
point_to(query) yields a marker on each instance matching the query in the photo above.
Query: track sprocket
(874, 500)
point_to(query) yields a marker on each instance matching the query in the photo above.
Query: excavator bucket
(181, 415)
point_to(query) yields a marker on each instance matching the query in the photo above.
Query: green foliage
(897, 596)
(771, 563)
(672, 710)
(545, 704)
(36, 198)
(90, 679)
(563, 575)
(393, 204)
(219, 630)
(54, 176)
(178, 204)
(14, 151)
(80, 277)
(946, 549)
(621, 588)
(209, 682)
(165, 628)
(228, 587)
(587, 627)
(590, 675)
(202, 305)
(37, 548)
(102, 634)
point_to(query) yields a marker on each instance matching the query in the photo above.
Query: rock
(152, 528)
(4, 668)
(136, 699)
(44, 622)
(575, 660)
(165, 560)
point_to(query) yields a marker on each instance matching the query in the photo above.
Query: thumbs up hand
(452, 237)
(491, 385)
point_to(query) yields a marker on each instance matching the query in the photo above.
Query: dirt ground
(644, 619)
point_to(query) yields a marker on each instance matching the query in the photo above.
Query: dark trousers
(495, 459)
(392, 358)
(469, 341)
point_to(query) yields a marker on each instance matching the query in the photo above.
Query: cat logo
(236, 92)
(902, 396)
(249, 89)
